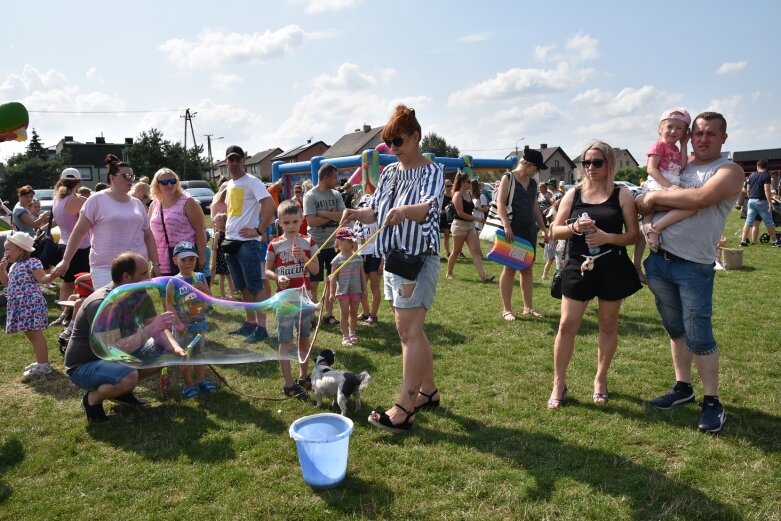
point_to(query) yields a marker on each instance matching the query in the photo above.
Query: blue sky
(486, 75)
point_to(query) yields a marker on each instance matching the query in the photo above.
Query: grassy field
(492, 451)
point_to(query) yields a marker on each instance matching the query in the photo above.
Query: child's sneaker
(353, 338)
(207, 387)
(372, 320)
(347, 340)
(295, 391)
(36, 370)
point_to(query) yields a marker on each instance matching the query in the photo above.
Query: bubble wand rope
(245, 395)
(324, 243)
(329, 281)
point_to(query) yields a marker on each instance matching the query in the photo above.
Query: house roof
(293, 152)
(260, 156)
(547, 153)
(355, 142)
(618, 151)
(755, 155)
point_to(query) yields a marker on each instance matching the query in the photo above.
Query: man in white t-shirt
(250, 210)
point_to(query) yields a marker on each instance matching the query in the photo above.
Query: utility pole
(188, 118)
(209, 150)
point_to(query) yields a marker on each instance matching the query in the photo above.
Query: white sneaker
(36, 370)
(347, 341)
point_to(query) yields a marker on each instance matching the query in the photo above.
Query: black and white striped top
(414, 186)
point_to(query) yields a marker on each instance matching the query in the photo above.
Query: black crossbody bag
(397, 261)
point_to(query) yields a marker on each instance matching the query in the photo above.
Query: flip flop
(533, 312)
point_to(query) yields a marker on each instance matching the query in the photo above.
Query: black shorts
(371, 263)
(324, 259)
(79, 263)
(614, 277)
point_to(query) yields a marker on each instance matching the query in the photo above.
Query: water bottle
(592, 250)
(165, 383)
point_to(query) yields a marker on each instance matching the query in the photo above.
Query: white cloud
(756, 95)
(215, 48)
(627, 101)
(225, 82)
(730, 67)
(514, 122)
(541, 52)
(584, 46)
(476, 37)
(344, 101)
(92, 74)
(326, 6)
(520, 83)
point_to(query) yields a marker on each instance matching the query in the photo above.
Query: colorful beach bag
(517, 255)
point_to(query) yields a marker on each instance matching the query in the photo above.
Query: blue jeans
(91, 375)
(684, 298)
(246, 267)
(759, 207)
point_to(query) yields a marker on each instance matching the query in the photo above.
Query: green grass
(492, 451)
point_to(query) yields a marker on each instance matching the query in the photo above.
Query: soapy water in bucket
(167, 321)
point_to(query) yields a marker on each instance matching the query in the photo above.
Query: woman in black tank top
(602, 238)
(463, 228)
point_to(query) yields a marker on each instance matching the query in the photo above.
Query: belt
(666, 255)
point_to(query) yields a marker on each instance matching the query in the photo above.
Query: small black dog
(339, 385)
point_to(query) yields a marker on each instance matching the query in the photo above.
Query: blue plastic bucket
(322, 441)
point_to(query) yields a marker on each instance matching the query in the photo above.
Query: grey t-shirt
(18, 212)
(330, 201)
(695, 238)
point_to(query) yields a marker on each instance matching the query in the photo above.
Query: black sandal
(386, 424)
(428, 404)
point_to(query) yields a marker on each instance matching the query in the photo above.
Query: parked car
(632, 187)
(46, 196)
(203, 195)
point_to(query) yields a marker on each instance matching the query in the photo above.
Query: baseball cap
(70, 174)
(234, 150)
(551, 182)
(534, 157)
(682, 115)
(185, 249)
(345, 233)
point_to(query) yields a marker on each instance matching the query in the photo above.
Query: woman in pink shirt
(174, 217)
(117, 222)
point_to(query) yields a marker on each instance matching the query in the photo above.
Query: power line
(101, 111)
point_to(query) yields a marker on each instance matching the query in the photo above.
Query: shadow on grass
(758, 428)
(649, 494)
(11, 454)
(57, 385)
(168, 432)
(342, 498)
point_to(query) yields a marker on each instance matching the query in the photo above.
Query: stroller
(765, 237)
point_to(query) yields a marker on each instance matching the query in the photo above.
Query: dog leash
(245, 395)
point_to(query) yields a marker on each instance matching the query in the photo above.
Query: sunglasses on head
(396, 142)
(165, 182)
(596, 162)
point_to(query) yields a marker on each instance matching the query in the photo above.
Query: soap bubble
(166, 321)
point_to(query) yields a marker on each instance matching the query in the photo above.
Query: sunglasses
(396, 142)
(166, 182)
(130, 177)
(596, 162)
(448, 186)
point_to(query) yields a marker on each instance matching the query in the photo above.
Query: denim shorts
(91, 375)
(684, 298)
(246, 268)
(301, 321)
(759, 207)
(425, 286)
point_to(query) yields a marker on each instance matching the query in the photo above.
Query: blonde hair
(157, 194)
(610, 162)
(220, 220)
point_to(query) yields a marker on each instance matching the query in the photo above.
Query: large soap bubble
(166, 321)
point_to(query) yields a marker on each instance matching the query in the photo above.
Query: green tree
(437, 145)
(22, 169)
(151, 151)
(632, 175)
(35, 147)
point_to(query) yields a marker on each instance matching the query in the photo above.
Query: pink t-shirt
(116, 228)
(669, 157)
(176, 224)
(66, 221)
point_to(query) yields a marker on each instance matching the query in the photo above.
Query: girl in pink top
(665, 163)
(184, 219)
(118, 223)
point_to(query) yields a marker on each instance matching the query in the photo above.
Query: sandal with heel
(430, 403)
(556, 403)
(384, 422)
